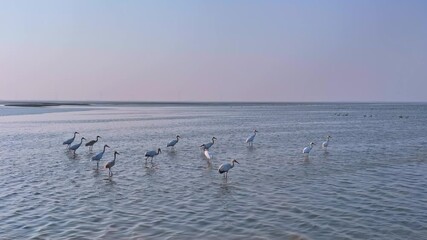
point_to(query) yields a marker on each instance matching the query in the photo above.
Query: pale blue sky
(357, 50)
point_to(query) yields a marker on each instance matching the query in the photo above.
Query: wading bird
(69, 141)
(308, 149)
(98, 156)
(226, 166)
(76, 146)
(173, 142)
(250, 140)
(91, 143)
(326, 143)
(111, 164)
(208, 145)
(151, 154)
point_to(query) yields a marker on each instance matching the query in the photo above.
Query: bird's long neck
(74, 136)
(81, 141)
(177, 139)
(232, 164)
(327, 140)
(104, 151)
(213, 140)
(115, 155)
(96, 139)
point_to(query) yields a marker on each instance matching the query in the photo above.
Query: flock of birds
(223, 168)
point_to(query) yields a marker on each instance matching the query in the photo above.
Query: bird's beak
(236, 161)
(107, 146)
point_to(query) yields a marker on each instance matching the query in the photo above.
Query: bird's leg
(97, 165)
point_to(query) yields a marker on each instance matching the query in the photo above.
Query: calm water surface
(370, 184)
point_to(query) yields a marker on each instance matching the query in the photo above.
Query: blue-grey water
(371, 183)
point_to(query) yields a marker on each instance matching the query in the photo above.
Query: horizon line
(190, 102)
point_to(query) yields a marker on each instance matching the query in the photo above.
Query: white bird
(98, 156)
(71, 140)
(111, 164)
(208, 145)
(173, 142)
(76, 146)
(226, 166)
(151, 154)
(207, 155)
(308, 149)
(326, 143)
(250, 140)
(91, 143)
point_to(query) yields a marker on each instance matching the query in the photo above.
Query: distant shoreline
(43, 104)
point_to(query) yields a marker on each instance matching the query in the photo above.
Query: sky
(239, 50)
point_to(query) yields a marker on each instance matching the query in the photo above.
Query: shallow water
(371, 183)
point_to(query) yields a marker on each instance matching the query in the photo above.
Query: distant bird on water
(91, 143)
(208, 145)
(250, 140)
(308, 149)
(76, 146)
(173, 142)
(326, 143)
(152, 154)
(71, 140)
(98, 156)
(225, 167)
(111, 164)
